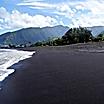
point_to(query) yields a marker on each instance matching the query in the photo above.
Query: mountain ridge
(35, 34)
(32, 34)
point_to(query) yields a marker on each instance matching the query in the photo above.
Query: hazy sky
(16, 14)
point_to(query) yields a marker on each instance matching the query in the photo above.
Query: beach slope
(56, 76)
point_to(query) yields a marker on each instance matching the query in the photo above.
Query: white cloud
(59, 7)
(37, 4)
(80, 7)
(96, 7)
(3, 12)
(16, 19)
(88, 20)
(32, 7)
(84, 13)
(92, 18)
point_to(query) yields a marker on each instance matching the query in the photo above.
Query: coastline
(56, 75)
(11, 57)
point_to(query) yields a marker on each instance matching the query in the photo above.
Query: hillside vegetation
(72, 36)
(51, 36)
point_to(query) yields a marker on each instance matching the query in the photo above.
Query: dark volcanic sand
(56, 77)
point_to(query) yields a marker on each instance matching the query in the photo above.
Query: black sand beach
(56, 76)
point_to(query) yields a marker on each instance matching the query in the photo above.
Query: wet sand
(56, 76)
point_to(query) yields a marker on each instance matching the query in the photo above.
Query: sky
(17, 14)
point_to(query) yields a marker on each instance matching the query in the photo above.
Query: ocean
(8, 57)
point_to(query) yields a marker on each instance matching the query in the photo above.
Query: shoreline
(56, 75)
(13, 56)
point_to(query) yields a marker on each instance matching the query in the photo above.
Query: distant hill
(32, 35)
(35, 34)
(96, 30)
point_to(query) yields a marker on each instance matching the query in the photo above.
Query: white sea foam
(9, 57)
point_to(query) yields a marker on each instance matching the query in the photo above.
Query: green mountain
(96, 30)
(32, 35)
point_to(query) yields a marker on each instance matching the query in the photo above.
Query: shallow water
(9, 57)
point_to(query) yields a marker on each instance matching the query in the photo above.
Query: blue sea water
(8, 57)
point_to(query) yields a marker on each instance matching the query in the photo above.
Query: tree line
(72, 36)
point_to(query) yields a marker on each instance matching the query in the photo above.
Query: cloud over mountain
(41, 13)
(16, 19)
(78, 12)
